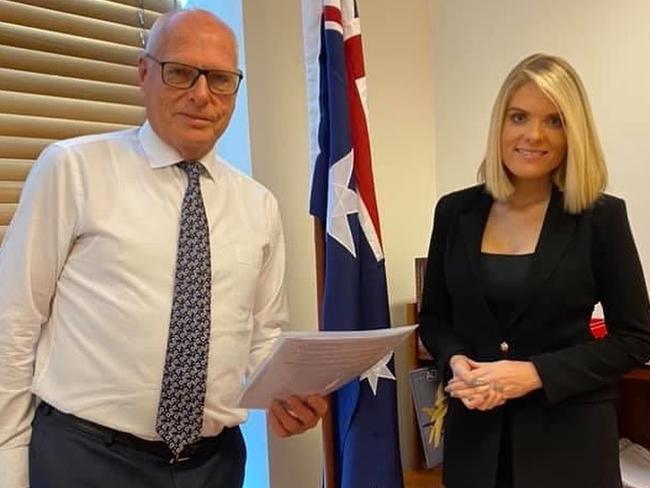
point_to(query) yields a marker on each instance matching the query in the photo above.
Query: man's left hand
(296, 415)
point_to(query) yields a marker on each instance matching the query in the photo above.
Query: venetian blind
(67, 68)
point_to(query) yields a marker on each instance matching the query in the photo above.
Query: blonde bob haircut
(583, 175)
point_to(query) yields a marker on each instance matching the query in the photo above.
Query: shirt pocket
(235, 275)
(249, 255)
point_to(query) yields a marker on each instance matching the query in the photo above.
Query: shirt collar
(160, 154)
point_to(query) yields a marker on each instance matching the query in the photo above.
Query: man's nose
(200, 90)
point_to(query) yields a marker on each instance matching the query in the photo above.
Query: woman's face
(533, 141)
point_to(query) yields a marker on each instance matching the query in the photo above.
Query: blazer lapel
(554, 238)
(472, 224)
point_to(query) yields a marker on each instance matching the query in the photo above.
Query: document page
(305, 363)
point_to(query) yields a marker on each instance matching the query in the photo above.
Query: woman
(514, 270)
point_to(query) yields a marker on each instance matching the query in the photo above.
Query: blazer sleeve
(623, 294)
(436, 329)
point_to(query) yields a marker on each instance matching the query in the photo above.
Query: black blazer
(564, 435)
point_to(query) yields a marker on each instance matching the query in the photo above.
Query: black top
(504, 281)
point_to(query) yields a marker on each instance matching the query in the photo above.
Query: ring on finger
(477, 382)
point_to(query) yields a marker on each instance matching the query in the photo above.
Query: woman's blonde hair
(583, 174)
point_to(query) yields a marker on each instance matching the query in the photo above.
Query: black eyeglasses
(179, 75)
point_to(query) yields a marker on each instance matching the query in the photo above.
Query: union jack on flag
(355, 293)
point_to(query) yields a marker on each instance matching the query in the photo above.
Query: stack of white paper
(635, 464)
(305, 363)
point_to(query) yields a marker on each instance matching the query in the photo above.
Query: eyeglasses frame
(200, 72)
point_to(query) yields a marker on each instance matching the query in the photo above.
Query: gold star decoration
(436, 416)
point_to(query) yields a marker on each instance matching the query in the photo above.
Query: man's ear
(142, 69)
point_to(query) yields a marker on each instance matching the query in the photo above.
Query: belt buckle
(185, 455)
(178, 459)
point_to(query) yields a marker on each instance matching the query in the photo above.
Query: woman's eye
(518, 117)
(555, 122)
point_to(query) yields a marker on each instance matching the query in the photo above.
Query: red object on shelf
(598, 328)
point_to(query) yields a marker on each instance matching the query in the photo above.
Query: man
(140, 281)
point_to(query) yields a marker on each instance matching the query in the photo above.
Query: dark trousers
(67, 452)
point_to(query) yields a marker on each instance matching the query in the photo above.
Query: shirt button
(504, 346)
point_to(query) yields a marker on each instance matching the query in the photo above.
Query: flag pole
(329, 473)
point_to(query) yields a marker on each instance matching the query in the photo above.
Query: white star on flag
(342, 202)
(379, 370)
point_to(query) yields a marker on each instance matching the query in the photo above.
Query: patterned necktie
(182, 396)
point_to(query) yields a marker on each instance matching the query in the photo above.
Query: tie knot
(192, 168)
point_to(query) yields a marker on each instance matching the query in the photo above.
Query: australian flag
(355, 294)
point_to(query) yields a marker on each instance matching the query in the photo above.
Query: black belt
(203, 446)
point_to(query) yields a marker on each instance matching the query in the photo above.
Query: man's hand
(295, 415)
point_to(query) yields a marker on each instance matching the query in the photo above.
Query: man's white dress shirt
(86, 283)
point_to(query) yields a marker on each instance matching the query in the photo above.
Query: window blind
(67, 68)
